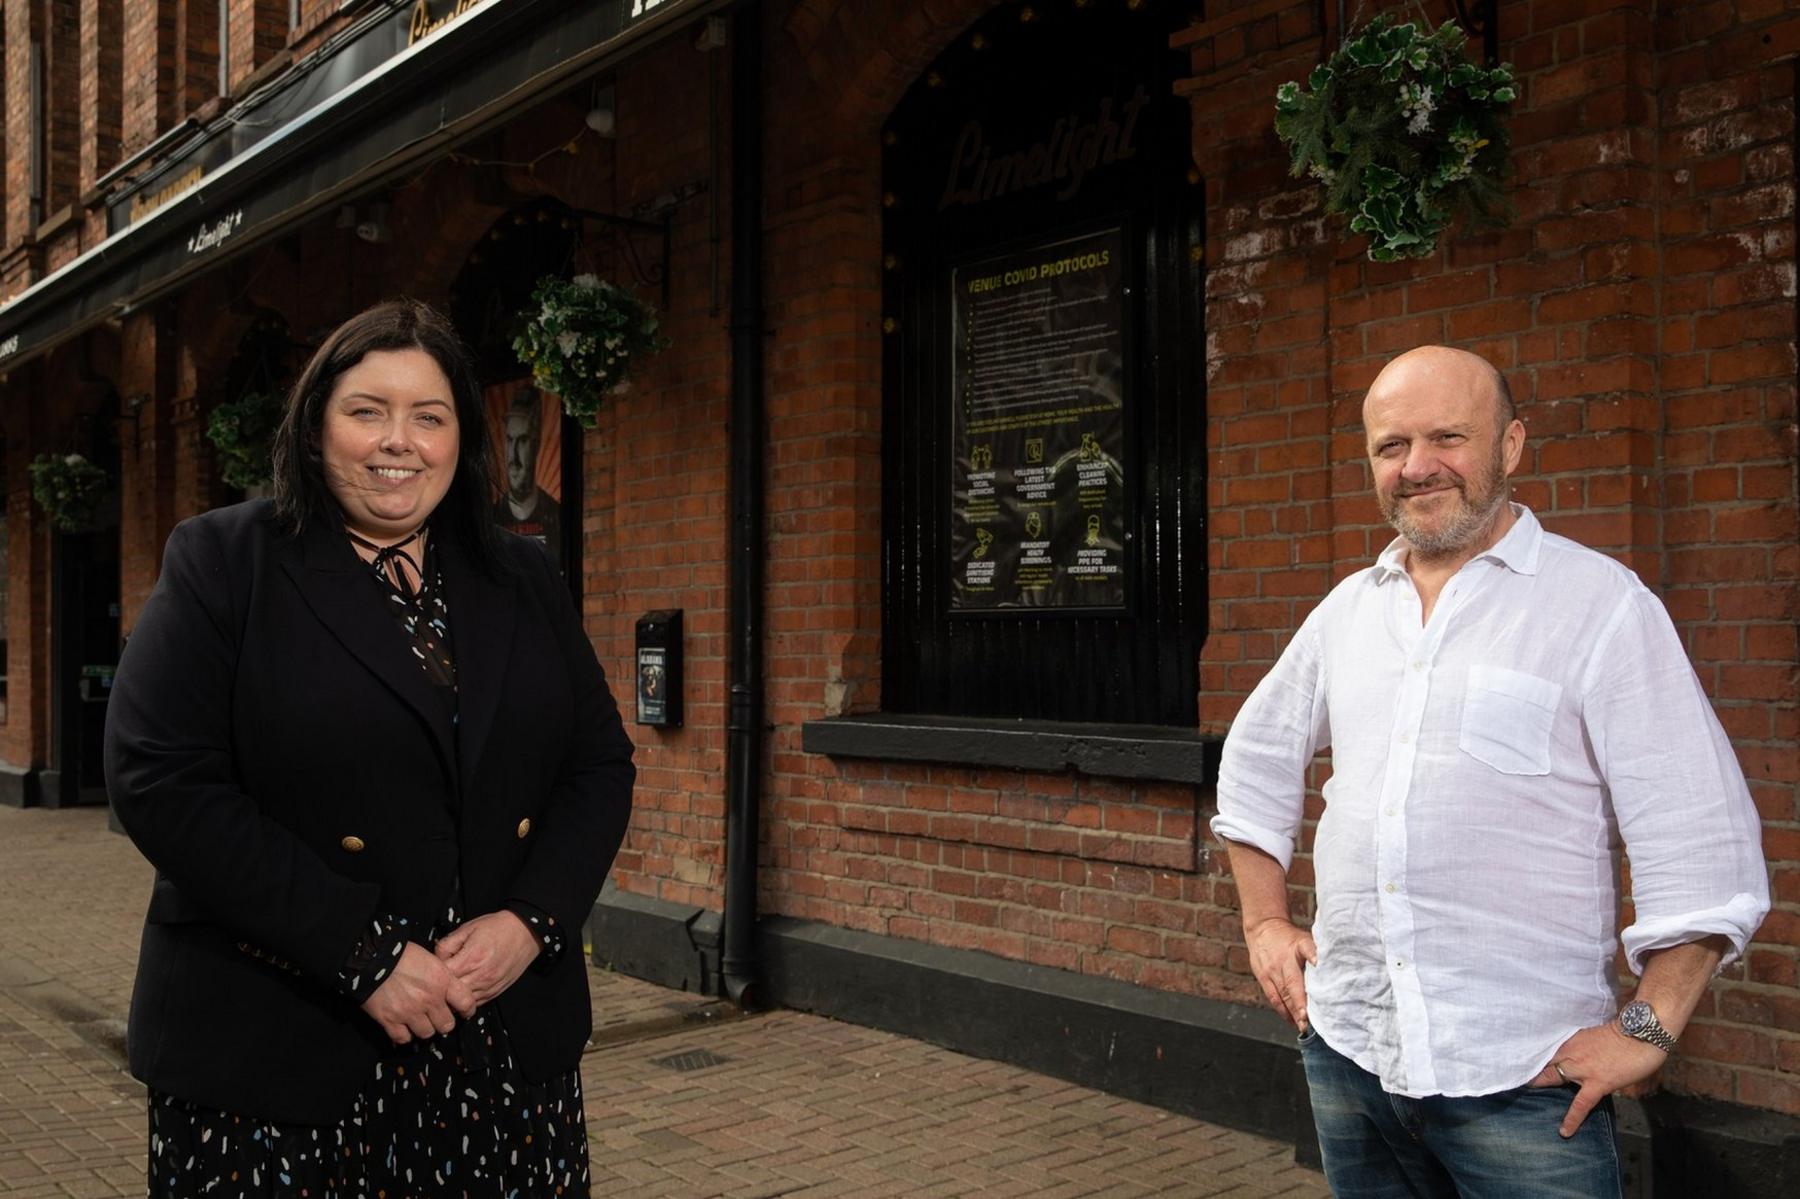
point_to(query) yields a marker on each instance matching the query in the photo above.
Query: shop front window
(1043, 379)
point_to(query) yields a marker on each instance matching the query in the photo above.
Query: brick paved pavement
(682, 1098)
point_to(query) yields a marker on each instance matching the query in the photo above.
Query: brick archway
(445, 221)
(865, 55)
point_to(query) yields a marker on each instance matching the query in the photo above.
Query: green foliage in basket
(243, 433)
(1405, 134)
(581, 339)
(68, 488)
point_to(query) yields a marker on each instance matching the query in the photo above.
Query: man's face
(521, 456)
(1439, 454)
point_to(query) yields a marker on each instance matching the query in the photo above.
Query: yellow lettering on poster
(1043, 270)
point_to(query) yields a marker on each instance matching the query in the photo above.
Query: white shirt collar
(1517, 551)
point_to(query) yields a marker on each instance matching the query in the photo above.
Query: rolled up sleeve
(1262, 773)
(1690, 829)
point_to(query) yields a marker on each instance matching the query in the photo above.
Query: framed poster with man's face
(525, 425)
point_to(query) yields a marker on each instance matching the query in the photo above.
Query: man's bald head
(1446, 367)
(1442, 443)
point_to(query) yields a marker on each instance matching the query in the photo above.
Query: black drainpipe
(743, 760)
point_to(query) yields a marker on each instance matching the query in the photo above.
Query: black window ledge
(1119, 751)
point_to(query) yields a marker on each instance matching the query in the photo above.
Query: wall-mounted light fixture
(368, 221)
(601, 117)
(132, 411)
(714, 34)
(373, 228)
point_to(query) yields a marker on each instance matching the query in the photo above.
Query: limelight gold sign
(1074, 148)
(428, 18)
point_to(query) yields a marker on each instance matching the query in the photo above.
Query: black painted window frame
(1136, 667)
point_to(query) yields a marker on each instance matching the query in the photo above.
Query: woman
(362, 737)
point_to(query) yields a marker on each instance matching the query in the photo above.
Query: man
(1503, 707)
(526, 508)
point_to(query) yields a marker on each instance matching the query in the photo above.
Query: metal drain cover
(689, 1060)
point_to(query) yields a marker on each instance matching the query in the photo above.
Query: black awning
(488, 64)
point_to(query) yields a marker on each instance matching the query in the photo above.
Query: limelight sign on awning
(428, 18)
(344, 61)
(368, 106)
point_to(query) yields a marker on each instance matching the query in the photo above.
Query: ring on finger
(1557, 1066)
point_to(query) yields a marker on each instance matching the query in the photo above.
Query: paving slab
(685, 1098)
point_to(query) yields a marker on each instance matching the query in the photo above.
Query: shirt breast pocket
(1506, 719)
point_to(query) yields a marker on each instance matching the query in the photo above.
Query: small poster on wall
(1038, 476)
(525, 425)
(652, 685)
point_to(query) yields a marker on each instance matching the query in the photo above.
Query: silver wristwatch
(1638, 1020)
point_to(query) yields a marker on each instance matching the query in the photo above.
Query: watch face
(1636, 1017)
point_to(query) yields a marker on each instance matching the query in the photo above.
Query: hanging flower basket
(242, 431)
(69, 488)
(1405, 134)
(582, 338)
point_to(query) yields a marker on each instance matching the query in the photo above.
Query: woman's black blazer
(277, 752)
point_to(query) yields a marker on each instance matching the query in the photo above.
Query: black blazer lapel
(334, 583)
(481, 636)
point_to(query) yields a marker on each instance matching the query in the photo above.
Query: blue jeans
(1500, 1146)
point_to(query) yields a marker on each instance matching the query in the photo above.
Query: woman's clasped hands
(473, 965)
(489, 953)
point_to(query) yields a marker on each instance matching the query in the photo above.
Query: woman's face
(390, 441)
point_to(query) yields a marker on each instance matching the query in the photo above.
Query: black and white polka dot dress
(426, 1124)
(449, 1116)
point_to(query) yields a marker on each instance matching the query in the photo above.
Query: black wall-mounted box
(659, 668)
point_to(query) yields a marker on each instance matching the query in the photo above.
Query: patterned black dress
(449, 1116)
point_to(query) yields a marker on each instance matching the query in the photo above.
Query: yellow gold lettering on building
(145, 203)
(1076, 146)
(424, 24)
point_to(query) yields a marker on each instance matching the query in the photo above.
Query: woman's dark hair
(302, 497)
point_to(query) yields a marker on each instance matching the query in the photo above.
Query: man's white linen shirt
(1485, 766)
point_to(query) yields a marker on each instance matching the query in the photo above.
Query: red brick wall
(62, 117)
(314, 13)
(196, 55)
(51, 31)
(101, 81)
(257, 31)
(1275, 522)
(24, 26)
(146, 453)
(1725, 111)
(24, 736)
(657, 524)
(1642, 305)
(149, 65)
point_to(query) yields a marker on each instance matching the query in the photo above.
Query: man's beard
(1478, 503)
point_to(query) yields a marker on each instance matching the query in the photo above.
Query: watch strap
(1642, 1025)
